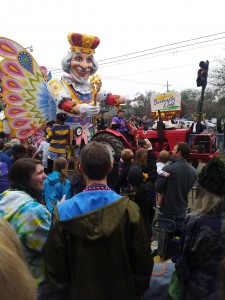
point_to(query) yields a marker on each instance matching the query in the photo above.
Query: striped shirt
(59, 138)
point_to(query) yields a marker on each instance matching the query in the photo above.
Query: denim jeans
(54, 155)
(220, 139)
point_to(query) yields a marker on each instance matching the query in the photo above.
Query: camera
(141, 142)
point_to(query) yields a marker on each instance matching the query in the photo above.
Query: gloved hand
(115, 126)
(130, 99)
(89, 109)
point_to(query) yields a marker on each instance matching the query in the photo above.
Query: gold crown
(83, 42)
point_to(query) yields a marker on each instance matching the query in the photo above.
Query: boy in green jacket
(97, 247)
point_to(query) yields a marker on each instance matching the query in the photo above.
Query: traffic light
(203, 73)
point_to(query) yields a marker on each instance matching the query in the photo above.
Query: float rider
(118, 123)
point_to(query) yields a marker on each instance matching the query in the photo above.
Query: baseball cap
(120, 110)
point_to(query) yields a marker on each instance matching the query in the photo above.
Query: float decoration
(96, 84)
(25, 90)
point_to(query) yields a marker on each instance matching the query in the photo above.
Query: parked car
(183, 122)
(209, 126)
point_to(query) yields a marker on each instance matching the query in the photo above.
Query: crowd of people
(89, 237)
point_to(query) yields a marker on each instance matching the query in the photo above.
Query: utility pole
(201, 104)
(167, 86)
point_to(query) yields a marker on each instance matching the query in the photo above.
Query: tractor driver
(118, 123)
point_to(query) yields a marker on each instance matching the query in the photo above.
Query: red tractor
(164, 107)
(203, 146)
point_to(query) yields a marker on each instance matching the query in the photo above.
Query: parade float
(31, 101)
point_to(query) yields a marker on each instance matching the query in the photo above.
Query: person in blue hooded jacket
(97, 247)
(57, 185)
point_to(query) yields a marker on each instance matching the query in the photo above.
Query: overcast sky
(124, 27)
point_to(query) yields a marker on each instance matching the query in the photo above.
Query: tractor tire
(220, 124)
(113, 144)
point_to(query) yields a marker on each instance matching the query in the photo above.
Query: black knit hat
(212, 176)
(61, 117)
(135, 176)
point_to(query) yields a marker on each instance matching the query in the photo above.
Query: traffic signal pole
(201, 104)
(202, 81)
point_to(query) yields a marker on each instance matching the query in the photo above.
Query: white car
(209, 126)
(183, 122)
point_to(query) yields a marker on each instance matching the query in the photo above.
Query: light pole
(31, 49)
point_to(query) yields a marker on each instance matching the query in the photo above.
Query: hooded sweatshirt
(54, 190)
(31, 221)
(103, 249)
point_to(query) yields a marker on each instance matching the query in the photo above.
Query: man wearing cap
(118, 123)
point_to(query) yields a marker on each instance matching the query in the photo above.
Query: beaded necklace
(97, 186)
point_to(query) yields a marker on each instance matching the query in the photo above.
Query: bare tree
(217, 80)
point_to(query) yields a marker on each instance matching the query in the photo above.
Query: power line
(161, 51)
(59, 71)
(120, 78)
(157, 70)
(163, 54)
(130, 80)
(149, 71)
(176, 43)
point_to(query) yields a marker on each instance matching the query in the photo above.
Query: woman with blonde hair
(14, 273)
(203, 239)
(9, 238)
